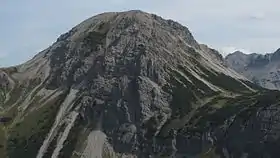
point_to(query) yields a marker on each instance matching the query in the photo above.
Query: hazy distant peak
(263, 69)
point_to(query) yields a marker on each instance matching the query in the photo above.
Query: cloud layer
(31, 25)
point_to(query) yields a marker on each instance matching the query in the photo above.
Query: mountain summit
(132, 84)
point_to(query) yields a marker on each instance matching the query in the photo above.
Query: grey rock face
(129, 69)
(261, 69)
(4, 80)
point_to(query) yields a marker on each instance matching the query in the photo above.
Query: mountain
(263, 70)
(132, 84)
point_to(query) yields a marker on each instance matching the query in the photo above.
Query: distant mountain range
(263, 70)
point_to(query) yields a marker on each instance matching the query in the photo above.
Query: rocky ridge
(263, 70)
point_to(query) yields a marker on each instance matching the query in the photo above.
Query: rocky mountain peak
(108, 36)
(130, 21)
(237, 53)
(275, 56)
(128, 84)
(263, 69)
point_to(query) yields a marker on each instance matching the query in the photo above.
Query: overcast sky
(28, 26)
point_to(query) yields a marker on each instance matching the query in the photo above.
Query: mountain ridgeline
(263, 70)
(132, 84)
